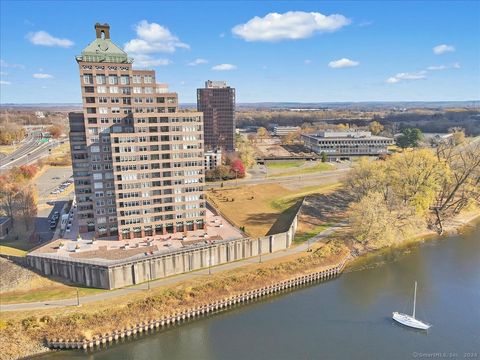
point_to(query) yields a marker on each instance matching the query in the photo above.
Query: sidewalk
(170, 280)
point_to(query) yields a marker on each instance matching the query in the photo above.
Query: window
(114, 90)
(102, 99)
(137, 90)
(125, 80)
(103, 110)
(88, 79)
(136, 79)
(113, 79)
(97, 176)
(147, 79)
(95, 149)
(148, 90)
(104, 120)
(89, 89)
(115, 100)
(102, 89)
(100, 79)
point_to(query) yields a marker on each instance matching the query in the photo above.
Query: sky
(280, 51)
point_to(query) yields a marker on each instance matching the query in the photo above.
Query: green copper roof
(103, 50)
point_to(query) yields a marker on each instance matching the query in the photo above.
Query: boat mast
(414, 299)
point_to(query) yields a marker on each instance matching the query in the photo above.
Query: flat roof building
(212, 159)
(284, 130)
(217, 102)
(137, 162)
(342, 145)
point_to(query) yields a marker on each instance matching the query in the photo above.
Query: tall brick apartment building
(217, 102)
(137, 161)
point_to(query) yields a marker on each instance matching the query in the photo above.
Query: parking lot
(48, 204)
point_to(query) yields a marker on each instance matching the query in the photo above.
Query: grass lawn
(54, 292)
(7, 250)
(302, 237)
(284, 164)
(317, 167)
(257, 207)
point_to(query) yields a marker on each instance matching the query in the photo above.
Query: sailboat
(410, 320)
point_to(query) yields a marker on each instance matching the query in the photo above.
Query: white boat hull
(410, 321)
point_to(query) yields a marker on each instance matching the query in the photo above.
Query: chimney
(102, 31)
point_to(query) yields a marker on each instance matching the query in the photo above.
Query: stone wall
(117, 274)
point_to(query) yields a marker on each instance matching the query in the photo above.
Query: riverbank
(24, 336)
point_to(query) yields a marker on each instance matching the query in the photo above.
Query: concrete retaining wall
(117, 274)
(196, 312)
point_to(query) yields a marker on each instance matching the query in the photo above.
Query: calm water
(347, 318)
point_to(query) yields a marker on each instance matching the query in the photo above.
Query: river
(345, 318)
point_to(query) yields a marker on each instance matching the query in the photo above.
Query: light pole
(236, 177)
(78, 299)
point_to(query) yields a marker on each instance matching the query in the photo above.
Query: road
(31, 149)
(170, 280)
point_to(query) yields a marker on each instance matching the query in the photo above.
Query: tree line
(412, 190)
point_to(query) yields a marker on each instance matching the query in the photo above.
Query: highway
(30, 150)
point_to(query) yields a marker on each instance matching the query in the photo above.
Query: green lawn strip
(302, 237)
(284, 164)
(306, 170)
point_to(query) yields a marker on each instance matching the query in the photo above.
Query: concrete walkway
(170, 280)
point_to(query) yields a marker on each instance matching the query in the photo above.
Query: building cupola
(102, 31)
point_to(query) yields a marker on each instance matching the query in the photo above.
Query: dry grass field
(258, 207)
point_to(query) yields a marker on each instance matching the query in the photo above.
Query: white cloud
(420, 75)
(442, 49)
(146, 61)
(342, 63)
(3, 73)
(436, 67)
(153, 38)
(45, 39)
(393, 80)
(444, 67)
(291, 25)
(3, 82)
(197, 61)
(307, 61)
(42, 76)
(4, 64)
(224, 67)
